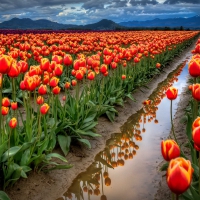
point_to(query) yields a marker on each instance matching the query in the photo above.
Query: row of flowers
(183, 175)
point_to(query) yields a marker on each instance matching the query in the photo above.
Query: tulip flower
(91, 75)
(172, 93)
(6, 102)
(14, 105)
(79, 74)
(13, 122)
(5, 63)
(44, 64)
(196, 123)
(40, 100)
(194, 67)
(103, 68)
(179, 175)
(56, 90)
(44, 108)
(42, 90)
(53, 81)
(107, 181)
(4, 110)
(14, 70)
(170, 150)
(67, 85)
(196, 138)
(58, 70)
(196, 91)
(30, 83)
(67, 60)
(158, 65)
(74, 82)
(123, 77)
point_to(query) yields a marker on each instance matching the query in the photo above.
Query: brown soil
(52, 185)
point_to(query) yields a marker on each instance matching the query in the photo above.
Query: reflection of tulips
(107, 181)
(170, 149)
(103, 197)
(179, 175)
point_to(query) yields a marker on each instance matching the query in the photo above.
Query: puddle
(127, 167)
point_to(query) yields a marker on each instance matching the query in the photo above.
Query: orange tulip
(13, 122)
(107, 181)
(44, 108)
(172, 93)
(158, 65)
(170, 149)
(179, 175)
(103, 197)
(74, 82)
(5, 63)
(91, 75)
(103, 68)
(23, 66)
(30, 83)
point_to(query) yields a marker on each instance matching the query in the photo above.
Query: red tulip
(44, 64)
(42, 90)
(40, 100)
(58, 70)
(194, 67)
(67, 59)
(5, 63)
(56, 90)
(91, 75)
(6, 102)
(170, 149)
(74, 82)
(172, 93)
(44, 108)
(53, 81)
(4, 110)
(123, 77)
(196, 91)
(196, 123)
(13, 122)
(179, 175)
(67, 85)
(196, 138)
(14, 70)
(14, 105)
(79, 74)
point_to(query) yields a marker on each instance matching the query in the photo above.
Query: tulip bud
(56, 90)
(5, 63)
(42, 90)
(40, 100)
(6, 102)
(170, 149)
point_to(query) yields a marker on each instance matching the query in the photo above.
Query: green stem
(172, 123)
(172, 196)
(177, 196)
(1, 87)
(199, 172)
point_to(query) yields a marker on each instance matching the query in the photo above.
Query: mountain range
(26, 23)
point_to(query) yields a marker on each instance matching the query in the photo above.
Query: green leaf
(60, 167)
(9, 90)
(43, 146)
(88, 119)
(9, 153)
(56, 155)
(164, 167)
(23, 174)
(88, 133)
(3, 147)
(85, 141)
(195, 195)
(64, 142)
(3, 196)
(100, 159)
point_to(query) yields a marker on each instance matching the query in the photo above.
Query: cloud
(91, 11)
(182, 1)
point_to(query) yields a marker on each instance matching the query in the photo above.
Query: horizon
(81, 12)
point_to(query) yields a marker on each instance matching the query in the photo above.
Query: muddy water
(127, 167)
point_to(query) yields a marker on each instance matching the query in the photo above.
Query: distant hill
(192, 22)
(27, 23)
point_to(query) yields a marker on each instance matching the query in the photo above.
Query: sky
(91, 11)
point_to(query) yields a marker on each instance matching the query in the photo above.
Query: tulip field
(55, 85)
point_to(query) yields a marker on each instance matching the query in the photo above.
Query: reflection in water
(120, 148)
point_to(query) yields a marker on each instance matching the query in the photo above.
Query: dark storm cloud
(19, 4)
(143, 2)
(182, 1)
(93, 4)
